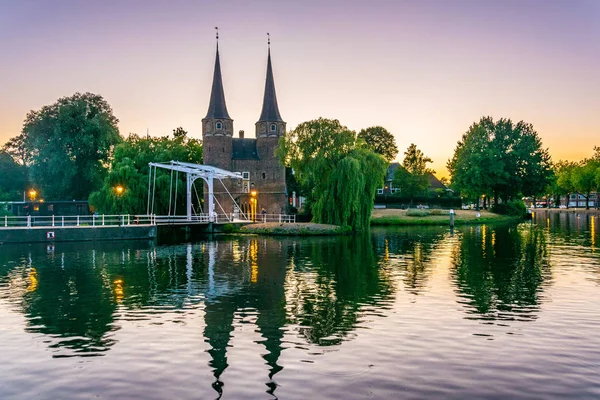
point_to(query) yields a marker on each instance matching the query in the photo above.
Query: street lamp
(119, 189)
(253, 193)
(32, 194)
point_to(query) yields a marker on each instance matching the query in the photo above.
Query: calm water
(486, 312)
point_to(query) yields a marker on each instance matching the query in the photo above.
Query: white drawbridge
(193, 172)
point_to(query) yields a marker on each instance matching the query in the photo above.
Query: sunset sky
(425, 70)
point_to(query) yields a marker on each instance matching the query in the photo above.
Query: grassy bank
(388, 217)
(296, 229)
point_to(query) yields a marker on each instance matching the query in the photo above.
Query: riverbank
(393, 217)
(294, 229)
(76, 234)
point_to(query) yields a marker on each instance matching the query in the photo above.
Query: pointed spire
(217, 109)
(270, 110)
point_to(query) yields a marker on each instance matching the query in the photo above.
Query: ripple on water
(409, 313)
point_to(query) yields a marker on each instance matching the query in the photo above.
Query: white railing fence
(32, 221)
(128, 220)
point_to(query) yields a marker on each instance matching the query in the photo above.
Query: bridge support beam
(188, 210)
(211, 196)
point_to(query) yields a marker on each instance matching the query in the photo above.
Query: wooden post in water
(451, 218)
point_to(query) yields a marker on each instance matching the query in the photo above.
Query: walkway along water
(115, 227)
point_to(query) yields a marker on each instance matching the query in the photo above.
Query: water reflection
(246, 280)
(500, 273)
(411, 251)
(329, 282)
(309, 295)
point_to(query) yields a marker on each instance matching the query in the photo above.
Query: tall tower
(217, 126)
(269, 128)
(270, 123)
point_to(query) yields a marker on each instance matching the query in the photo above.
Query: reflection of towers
(218, 318)
(231, 289)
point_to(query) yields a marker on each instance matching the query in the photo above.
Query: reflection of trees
(499, 271)
(67, 291)
(411, 251)
(331, 282)
(76, 292)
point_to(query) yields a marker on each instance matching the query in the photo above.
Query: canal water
(509, 311)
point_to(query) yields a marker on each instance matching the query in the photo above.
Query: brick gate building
(263, 184)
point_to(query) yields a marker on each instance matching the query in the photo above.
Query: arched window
(273, 127)
(219, 125)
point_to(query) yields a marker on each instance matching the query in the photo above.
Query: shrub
(230, 228)
(514, 208)
(435, 212)
(417, 213)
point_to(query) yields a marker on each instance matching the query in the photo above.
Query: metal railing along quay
(31, 221)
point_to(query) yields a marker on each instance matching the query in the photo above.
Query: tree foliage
(502, 159)
(15, 147)
(584, 178)
(13, 178)
(338, 176)
(130, 170)
(68, 145)
(412, 177)
(381, 141)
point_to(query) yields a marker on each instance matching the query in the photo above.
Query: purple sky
(425, 70)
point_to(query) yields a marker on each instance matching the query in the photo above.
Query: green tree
(472, 167)
(381, 141)
(179, 133)
(69, 145)
(502, 159)
(13, 178)
(583, 177)
(413, 176)
(563, 171)
(338, 177)
(130, 170)
(16, 148)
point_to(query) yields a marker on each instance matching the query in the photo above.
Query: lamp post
(119, 190)
(253, 201)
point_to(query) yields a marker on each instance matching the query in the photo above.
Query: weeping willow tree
(338, 174)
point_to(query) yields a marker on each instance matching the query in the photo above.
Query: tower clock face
(262, 129)
(208, 126)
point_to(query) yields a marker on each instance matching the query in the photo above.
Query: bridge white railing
(31, 221)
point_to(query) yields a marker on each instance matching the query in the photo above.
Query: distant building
(263, 184)
(578, 200)
(46, 208)
(388, 186)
